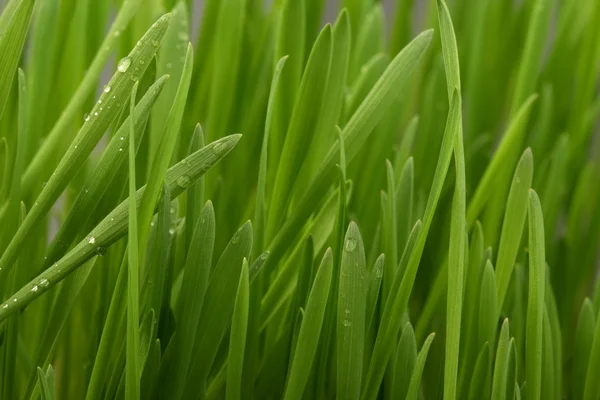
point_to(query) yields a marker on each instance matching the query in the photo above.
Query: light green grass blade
(101, 116)
(301, 128)
(511, 141)
(352, 300)
(55, 142)
(195, 282)
(514, 221)
(584, 337)
(406, 358)
(114, 226)
(369, 40)
(217, 308)
(132, 370)
(458, 231)
(415, 380)
(237, 341)
(356, 132)
(548, 360)
(535, 302)
(308, 337)
(259, 213)
(390, 232)
(501, 366)
(11, 46)
(481, 374)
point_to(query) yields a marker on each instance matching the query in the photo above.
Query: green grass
(400, 204)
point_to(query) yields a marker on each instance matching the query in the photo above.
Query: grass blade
(415, 380)
(535, 302)
(501, 367)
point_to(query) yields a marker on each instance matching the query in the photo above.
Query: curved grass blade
(373, 292)
(308, 337)
(535, 302)
(415, 380)
(114, 226)
(217, 308)
(237, 341)
(500, 380)
(514, 221)
(488, 306)
(12, 41)
(352, 301)
(120, 87)
(355, 133)
(103, 176)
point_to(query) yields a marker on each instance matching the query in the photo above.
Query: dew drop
(92, 240)
(15, 299)
(86, 117)
(34, 288)
(124, 64)
(101, 250)
(347, 323)
(107, 88)
(100, 101)
(155, 43)
(184, 181)
(120, 149)
(5, 306)
(171, 231)
(350, 245)
(142, 62)
(96, 114)
(122, 137)
(44, 282)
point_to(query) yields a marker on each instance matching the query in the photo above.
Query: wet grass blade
(352, 300)
(101, 116)
(535, 302)
(114, 226)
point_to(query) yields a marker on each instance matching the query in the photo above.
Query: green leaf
(352, 300)
(237, 341)
(592, 385)
(308, 337)
(376, 276)
(415, 380)
(46, 382)
(514, 221)
(488, 306)
(535, 302)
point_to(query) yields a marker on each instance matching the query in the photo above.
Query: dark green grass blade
(406, 358)
(481, 374)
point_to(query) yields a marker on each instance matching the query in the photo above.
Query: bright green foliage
(286, 208)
